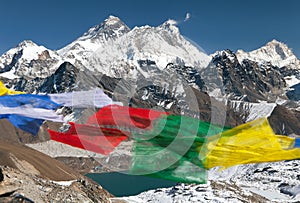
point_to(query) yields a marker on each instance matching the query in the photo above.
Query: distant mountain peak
(110, 28)
(223, 52)
(28, 59)
(26, 43)
(274, 41)
(170, 25)
(280, 48)
(275, 52)
(112, 20)
(170, 22)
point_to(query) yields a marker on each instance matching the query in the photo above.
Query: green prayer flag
(171, 149)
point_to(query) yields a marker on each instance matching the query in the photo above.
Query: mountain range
(156, 67)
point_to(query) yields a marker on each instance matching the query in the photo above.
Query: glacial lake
(120, 184)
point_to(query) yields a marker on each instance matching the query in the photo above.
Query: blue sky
(214, 25)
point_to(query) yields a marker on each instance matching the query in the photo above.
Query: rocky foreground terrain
(27, 175)
(21, 186)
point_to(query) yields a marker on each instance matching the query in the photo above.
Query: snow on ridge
(265, 179)
(253, 110)
(291, 80)
(263, 182)
(9, 74)
(64, 183)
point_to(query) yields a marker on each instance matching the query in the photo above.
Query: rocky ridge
(19, 186)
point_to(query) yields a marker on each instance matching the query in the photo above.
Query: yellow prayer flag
(5, 91)
(252, 142)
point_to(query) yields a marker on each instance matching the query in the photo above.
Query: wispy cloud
(177, 22)
(187, 17)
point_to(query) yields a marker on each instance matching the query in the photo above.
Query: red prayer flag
(123, 116)
(94, 137)
(91, 138)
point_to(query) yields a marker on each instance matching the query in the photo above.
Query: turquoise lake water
(120, 184)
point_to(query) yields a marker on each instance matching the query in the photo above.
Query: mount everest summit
(157, 67)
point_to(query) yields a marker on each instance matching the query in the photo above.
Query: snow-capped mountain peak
(228, 53)
(80, 49)
(171, 26)
(111, 20)
(274, 52)
(279, 48)
(111, 27)
(26, 43)
(28, 59)
(29, 49)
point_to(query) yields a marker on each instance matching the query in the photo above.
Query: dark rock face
(44, 55)
(16, 199)
(285, 121)
(26, 85)
(13, 62)
(285, 71)
(63, 80)
(1, 175)
(147, 62)
(294, 94)
(247, 80)
(189, 74)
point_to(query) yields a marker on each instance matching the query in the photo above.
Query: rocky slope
(20, 186)
(277, 54)
(246, 80)
(31, 174)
